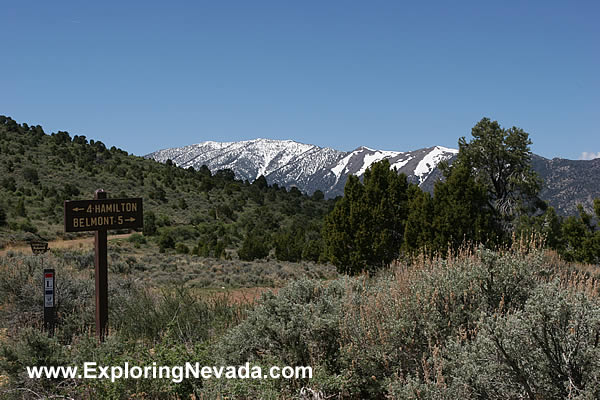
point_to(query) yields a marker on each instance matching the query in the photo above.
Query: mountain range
(311, 168)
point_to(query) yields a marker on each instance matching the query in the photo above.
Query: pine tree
(149, 224)
(365, 229)
(312, 250)
(260, 183)
(182, 203)
(343, 228)
(289, 244)
(581, 237)
(500, 159)
(551, 229)
(166, 241)
(462, 211)
(418, 234)
(255, 246)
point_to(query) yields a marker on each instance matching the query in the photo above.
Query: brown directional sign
(39, 247)
(103, 214)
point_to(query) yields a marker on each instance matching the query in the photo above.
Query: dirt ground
(80, 243)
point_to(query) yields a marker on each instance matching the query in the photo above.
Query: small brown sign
(103, 214)
(39, 247)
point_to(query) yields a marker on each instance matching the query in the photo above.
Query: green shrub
(78, 259)
(28, 226)
(2, 217)
(181, 248)
(548, 350)
(495, 325)
(19, 287)
(391, 324)
(31, 175)
(166, 241)
(299, 326)
(140, 314)
(254, 247)
(137, 239)
(149, 224)
(32, 347)
(21, 210)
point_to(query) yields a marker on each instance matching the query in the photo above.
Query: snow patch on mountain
(431, 160)
(306, 166)
(341, 166)
(401, 163)
(378, 155)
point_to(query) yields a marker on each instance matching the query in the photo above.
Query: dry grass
(83, 243)
(237, 296)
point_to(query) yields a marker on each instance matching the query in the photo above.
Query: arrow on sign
(78, 209)
(130, 219)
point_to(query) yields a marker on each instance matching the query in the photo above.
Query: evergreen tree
(462, 211)
(31, 175)
(166, 241)
(551, 229)
(260, 183)
(289, 244)
(149, 224)
(318, 195)
(365, 229)
(581, 237)
(182, 203)
(500, 159)
(418, 234)
(312, 250)
(546, 226)
(254, 246)
(219, 249)
(21, 211)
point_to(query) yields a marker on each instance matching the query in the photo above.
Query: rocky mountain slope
(568, 182)
(305, 166)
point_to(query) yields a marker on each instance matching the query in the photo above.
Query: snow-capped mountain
(306, 166)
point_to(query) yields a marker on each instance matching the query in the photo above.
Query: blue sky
(385, 74)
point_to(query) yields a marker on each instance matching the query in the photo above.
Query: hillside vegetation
(490, 195)
(479, 325)
(471, 293)
(199, 212)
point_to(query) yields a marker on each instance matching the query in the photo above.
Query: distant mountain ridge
(568, 182)
(310, 168)
(306, 166)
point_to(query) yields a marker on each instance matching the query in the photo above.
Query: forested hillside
(490, 195)
(207, 213)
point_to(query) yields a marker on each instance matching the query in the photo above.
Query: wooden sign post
(38, 248)
(100, 215)
(101, 263)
